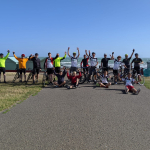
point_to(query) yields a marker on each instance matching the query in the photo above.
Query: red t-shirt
(74, 78)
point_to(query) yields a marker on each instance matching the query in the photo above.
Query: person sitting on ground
(74, 60)
(85, 63)
(129, 86)
(2, 64)
(36, 66)
(104, 82)
(60, 76)
(74, 79)
(22, 65)
(48, 64)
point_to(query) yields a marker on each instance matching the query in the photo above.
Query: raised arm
(68, 52)
(15, 56)
(132, 53)
(78, 52)
(86, 53)
(112, 57)
(64, 56)
(7, 54)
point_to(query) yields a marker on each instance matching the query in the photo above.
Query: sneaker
(68, 87)
(33, 82)
(138, 91)
(76, 86)
(115, 82)
(37, 81)
(126, 90)
(5, 82)
(20, 81)
(56, 86)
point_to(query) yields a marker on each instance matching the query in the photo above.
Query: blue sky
(29, 26)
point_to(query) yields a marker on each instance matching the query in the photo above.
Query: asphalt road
(86, 118)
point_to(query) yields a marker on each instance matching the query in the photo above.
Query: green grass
(147, 82)
(15, 93)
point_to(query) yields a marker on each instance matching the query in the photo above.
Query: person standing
(22, 65)
(36, 66)
(2, 64)
(74, 60)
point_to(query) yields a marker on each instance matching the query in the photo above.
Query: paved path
(86, 118)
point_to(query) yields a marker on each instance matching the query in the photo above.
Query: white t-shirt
(117, 64)
(74, 61)
(129, 81)
(104, 79)
(93, 61)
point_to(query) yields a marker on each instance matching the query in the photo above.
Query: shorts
(50, 71)
(74, 84)
(86, 69)
(73, 69)
(2, 70)
(105, 69)
(35, 70)
(57, 69)
(22, 70)
(137, 70)
(130, 87)
(92, 69)
(115, 72)
(104, 83)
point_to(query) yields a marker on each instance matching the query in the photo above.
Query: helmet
(23, 55)
(93, 52)
(136, 54)
(74, 52)
(36, 54)
(1, 54)
(126, 54)
(105, 54)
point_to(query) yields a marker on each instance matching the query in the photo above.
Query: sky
(102, 26)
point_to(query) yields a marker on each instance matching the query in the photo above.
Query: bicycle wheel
(82, 79)
(111, 76)
(142, 82)
(15, 77)
(29, 76)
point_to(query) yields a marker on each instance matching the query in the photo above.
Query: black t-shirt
(36, 62)
(127, 62)
(105, 62)
(85, 62)
(136, 62)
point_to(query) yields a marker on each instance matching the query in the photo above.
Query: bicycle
(135, 76)
(29, 76)
(45, 78)
(17, 75)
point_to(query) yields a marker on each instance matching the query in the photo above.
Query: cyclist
(129, 86)
(94, 63)
(36, 66)
(137, 61)
(126, 61)
(60, 77)
(49, 66)
(2, 64)
(85, 63)
(104, 79)
(104, 61)
(22, 65)
(74, 60)
(74, 79)
(117, 64)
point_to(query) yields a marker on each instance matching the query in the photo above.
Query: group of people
(53, 67)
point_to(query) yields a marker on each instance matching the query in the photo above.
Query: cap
(126, 54)
(1, 54)
(105, 54)
(93, 52)
(36, 54)
(136, 54)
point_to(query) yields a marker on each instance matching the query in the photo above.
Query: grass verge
(147, 82)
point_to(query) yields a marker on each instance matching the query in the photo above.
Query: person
(60, 77)
(117, 64)
(85, 63)
(129, 86)
(94, 63)
(74, 79)
(36, 66)
(57, 63)
(104, 79)
(2, 64)
(137, 61)
(74, 60)
(104, 61)
(48, 64)
(126, 61)
(22, 65)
